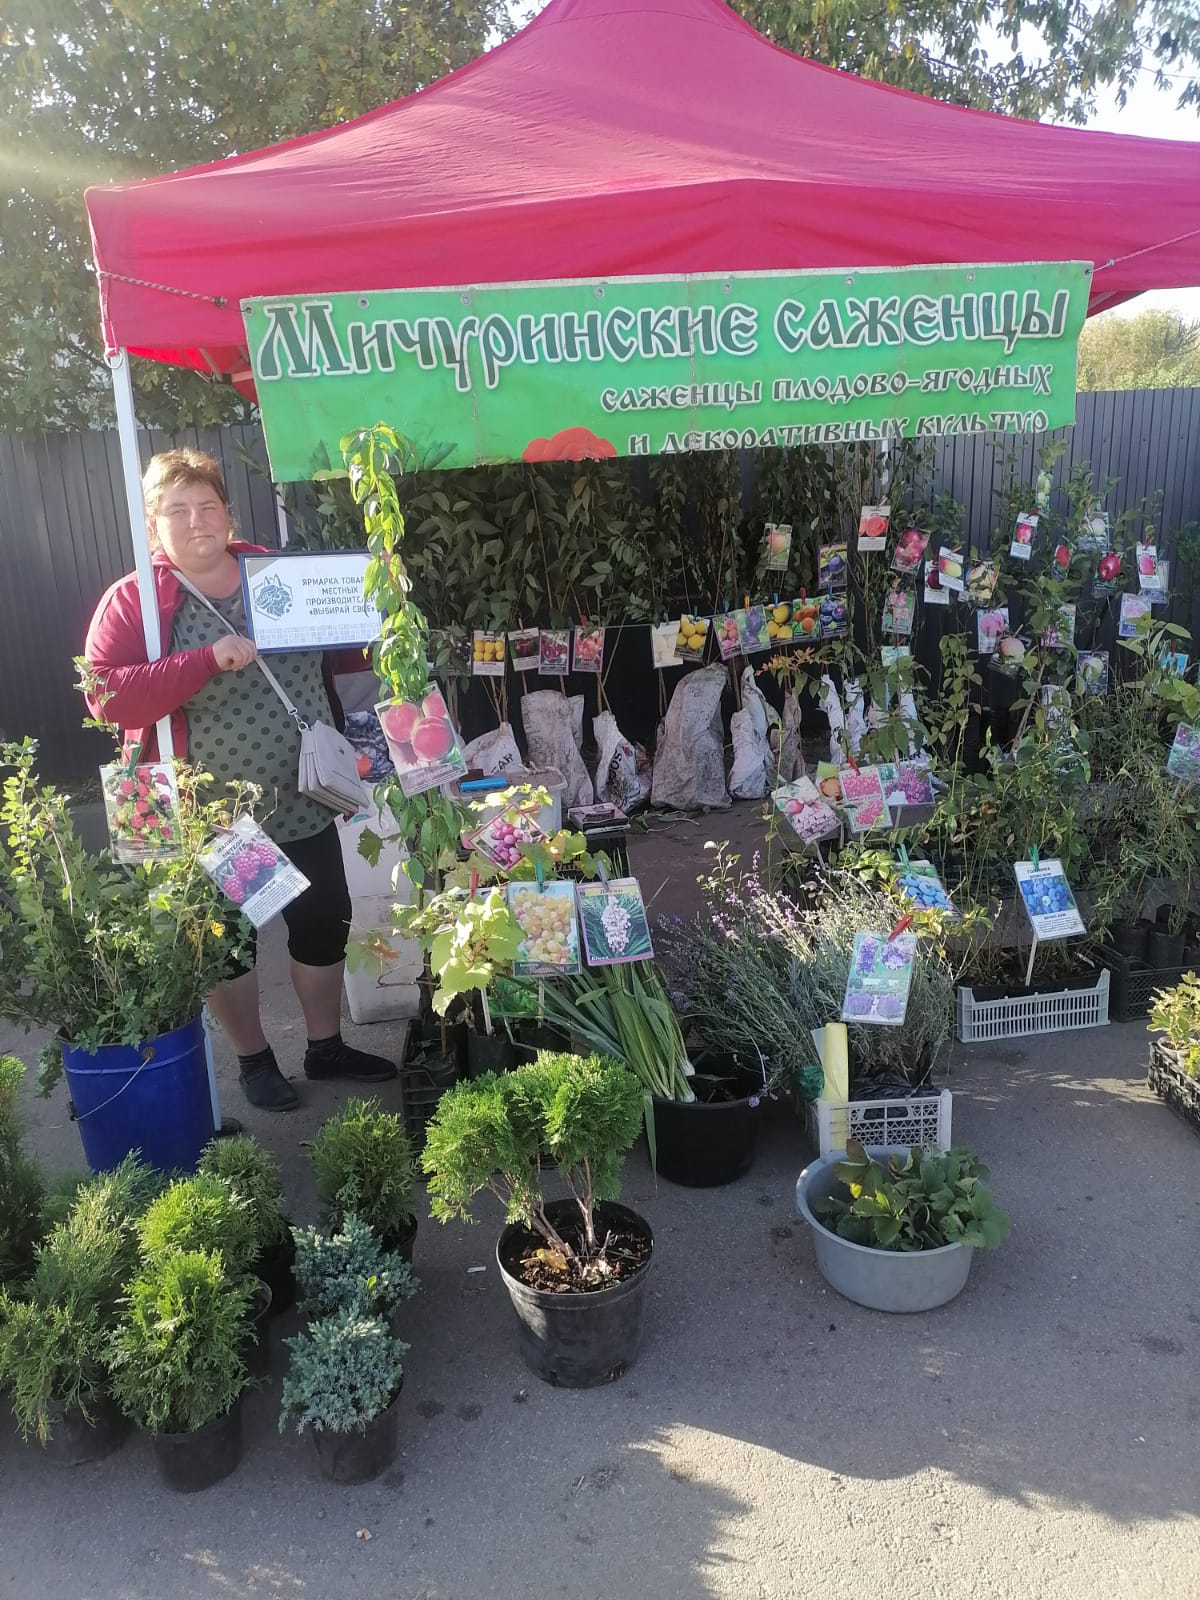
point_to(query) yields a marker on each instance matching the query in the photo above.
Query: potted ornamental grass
(116, 960)
(895, 1230)
(575, 1268)
(348, 1269)
(362, 1159)
(55, 1330)
(177, 1364)
(343, 1384)
(1174, 1073)
(252, 1175)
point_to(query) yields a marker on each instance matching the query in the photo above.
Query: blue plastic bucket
(151, 1098)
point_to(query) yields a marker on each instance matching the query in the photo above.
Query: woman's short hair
(170, 468)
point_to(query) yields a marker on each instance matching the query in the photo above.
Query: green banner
(649, 366)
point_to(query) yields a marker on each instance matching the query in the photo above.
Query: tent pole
(131, 469)
(281, 517)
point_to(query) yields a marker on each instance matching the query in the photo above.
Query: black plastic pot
(74, 1440)
(258, 1334)
(577, 1341)
(489, 1052)
(1129, 939)
(401, 1241)
(363, 1454)
(1164, 949)
(704, 1143)
(191, 1461)
(535, 1036)
(276, 1268)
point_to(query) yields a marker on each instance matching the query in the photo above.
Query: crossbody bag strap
(288, 703)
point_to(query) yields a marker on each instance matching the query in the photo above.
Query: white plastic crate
(1020, 1015)
(922, 1119)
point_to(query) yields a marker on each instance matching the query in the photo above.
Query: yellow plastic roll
(835, 1062)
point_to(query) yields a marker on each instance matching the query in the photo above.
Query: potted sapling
(895, 1230)
(575, 1269)
(1174, 1073)
(252, 1176)
(363, 1163)
(55, 1330)
(349, 1269)
(343, 1384)
(177, 1364)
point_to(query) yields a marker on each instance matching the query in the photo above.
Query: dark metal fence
(64, 533)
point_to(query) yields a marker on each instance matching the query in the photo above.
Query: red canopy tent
(613, 137)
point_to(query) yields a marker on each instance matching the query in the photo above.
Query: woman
(226, 719)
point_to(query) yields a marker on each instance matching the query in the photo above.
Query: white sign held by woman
(308, 600)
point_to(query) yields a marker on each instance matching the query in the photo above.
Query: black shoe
(267, 1088)
(336, 1059)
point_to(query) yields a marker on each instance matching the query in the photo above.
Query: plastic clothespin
(901, 927)
(474, 882)
(850, 762)
(903, 853)
(541, 877)
(804, 594)
(602, 873)
(1033, 856)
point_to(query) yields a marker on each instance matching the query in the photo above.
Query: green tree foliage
(1043, 59)
(93, 91)
(1154, 350)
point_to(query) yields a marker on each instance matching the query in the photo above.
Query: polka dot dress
(237, 727)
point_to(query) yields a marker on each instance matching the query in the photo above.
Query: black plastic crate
(1173, 1086)
(1134, 984)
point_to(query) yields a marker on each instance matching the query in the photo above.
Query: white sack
(689, 764)
(550, 734)
(493, 752)
(752, 764)
(619, 781)
(832, 707)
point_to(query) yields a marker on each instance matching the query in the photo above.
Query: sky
(1148, 113)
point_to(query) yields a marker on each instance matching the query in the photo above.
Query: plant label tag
(1184, 759)
(523, 645)
(488, 653)
(806, 811)
(1048, 900)
(251, 870)
(879, 979)
(777, 540)
(1023, 536)
(1134, 607)
(613, 919)
(554, 652)
(142, 806)
(546, 913)
(664, 639)
(588, 654)
(921, 885)
(863, 798)
(873, 529)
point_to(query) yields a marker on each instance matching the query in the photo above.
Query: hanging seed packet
(1095, 535)
(982, 578)
(252, 871)
(423, 743)
(524, 646)
(613, 919)
(1134, 607)
(554, 652)
(546, 914)
(805, 619)
(809, 814)
(873, 529)
(1056, 701)
(951, 568)
(1184, 760)
(920, 883)
(489, 654)
(1023, 536)
(992, 627)
(1174, 662)
(1147, 566)
(501, 836)
(729, 628)
(692, 638)
(1061, 634)
(898, 612)
(777, 540)
(780, 627)
(862, 795)
(754, 636)
(833, 617)
(910, 548)
(1048, 900)
(891, 655)
(664, 637)
(589, 650)
(1092, 671)
(833, 569)
(936, 592)
(1009, 655)
(907, 783)
(879, 979)
(450, 653)
(142, 806)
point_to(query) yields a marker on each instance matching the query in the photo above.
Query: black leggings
(318, 921)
